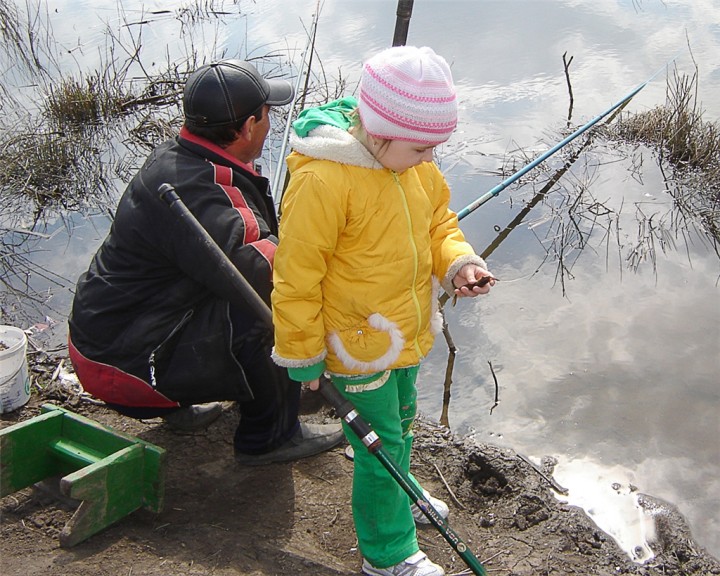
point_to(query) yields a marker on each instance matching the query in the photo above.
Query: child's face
(399, 155)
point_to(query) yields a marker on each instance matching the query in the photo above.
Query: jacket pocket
(371, 346)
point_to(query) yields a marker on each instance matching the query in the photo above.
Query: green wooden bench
(111, 473)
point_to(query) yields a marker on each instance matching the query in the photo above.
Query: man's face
(259, 133)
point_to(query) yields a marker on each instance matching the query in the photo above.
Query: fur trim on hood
(327, 142)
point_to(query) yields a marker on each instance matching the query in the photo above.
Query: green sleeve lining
(307, 373)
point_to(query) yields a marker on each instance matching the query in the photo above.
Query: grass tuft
(677, 129)
(86, 101)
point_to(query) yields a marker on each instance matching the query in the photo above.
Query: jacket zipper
(151, 361)
(418, 310)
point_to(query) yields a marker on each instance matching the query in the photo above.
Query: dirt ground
(223, 519)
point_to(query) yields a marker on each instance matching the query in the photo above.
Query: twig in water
(497, 389)
(452, 351)
(566, 64)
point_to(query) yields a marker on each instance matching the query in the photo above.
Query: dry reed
(678, 129)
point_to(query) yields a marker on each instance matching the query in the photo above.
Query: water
(608, 364)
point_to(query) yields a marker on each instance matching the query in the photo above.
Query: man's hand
(313, 384)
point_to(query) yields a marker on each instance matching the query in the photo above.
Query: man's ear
(247, 128)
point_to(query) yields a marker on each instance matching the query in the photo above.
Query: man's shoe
(195, 417)
(439, 506)
(415, 565)
(310, 439)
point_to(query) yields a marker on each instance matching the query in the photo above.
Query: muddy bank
(222, 519)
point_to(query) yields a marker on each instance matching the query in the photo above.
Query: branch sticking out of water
(452, 351)
(497, 389)
(566, 64)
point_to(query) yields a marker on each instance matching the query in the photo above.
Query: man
(156, 330)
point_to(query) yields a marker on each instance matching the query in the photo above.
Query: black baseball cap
(224, 92)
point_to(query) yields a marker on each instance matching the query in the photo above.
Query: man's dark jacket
(151, 303)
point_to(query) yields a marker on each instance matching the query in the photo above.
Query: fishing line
(276, 191)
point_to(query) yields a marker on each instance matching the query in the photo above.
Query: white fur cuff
(297, 363)
(455, 268)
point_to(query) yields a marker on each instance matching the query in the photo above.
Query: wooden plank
(109, 489)
(23, 452)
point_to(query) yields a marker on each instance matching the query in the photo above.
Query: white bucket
(14, 377)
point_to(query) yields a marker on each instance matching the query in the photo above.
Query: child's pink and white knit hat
(407, 93)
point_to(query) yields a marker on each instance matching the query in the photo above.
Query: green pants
(387, 401)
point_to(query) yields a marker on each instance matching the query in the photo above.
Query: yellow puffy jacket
(359, 248)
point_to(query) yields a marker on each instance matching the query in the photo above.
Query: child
(365, 229)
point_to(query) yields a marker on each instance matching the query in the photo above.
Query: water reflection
(620, 370)
(604, 331)
(612, 504)
(88, 104)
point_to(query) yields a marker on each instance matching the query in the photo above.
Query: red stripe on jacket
(223, 178)
(266, 248)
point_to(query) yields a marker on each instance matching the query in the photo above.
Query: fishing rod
(276, 191)
(500, 238)
(520, 173)
(216, 255)
(615, 108)
(345, 409)
(402, 22)
(372, 442)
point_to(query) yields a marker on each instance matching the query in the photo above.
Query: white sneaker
(415, 565)
(439, 505)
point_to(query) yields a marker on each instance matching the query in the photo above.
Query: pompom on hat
(407, 93)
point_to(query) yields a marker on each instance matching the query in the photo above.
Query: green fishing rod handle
(346, 411)
(418, 498)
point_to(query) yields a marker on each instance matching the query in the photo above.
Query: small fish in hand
(482, 282)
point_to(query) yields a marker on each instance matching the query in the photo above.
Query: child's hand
(472, 280)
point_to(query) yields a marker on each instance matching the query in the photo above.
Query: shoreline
(222, 519)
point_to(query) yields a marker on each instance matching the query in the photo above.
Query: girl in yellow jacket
(366, 241)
